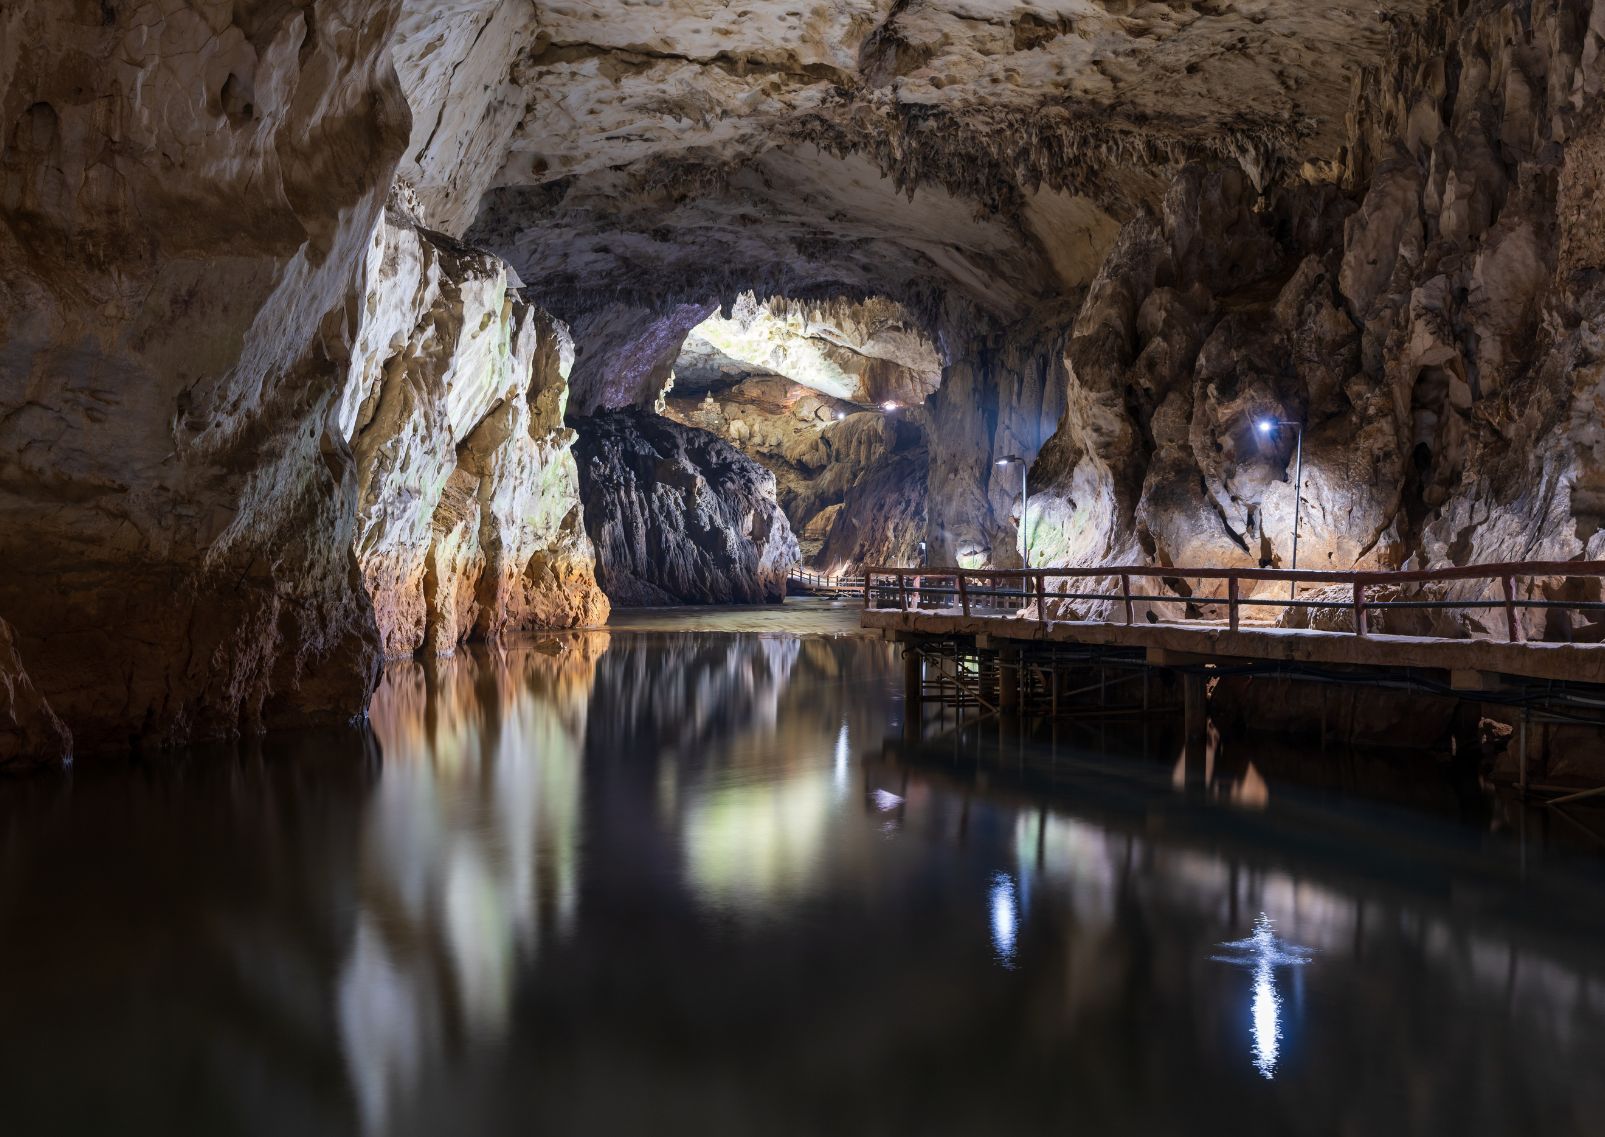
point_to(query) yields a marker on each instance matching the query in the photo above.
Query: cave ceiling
(682, 150)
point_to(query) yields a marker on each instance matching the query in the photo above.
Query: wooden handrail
(1034, 581)
(1491, 572)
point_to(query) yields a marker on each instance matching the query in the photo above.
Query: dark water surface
(672, 878)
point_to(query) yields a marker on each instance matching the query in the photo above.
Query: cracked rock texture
(679, 516)
(468, 498)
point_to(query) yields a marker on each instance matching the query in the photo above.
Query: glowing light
(841, 416)
(1005, 916)
(889, 406)
(1265, 425)
(842, 750)
(1263, 952)
(886, 800)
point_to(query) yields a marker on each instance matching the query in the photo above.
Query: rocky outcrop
(185, 205)
(882, 518)
(679, 516)
(468, 498)
(30, 732)
(1437, 343)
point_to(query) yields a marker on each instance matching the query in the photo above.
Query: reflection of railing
(990, 591)
(837, 585)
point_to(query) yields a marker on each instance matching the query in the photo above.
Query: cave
(396, 383)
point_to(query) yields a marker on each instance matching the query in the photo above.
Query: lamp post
(1025, 534)
(1266, 426)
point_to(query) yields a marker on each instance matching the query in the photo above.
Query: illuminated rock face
(186, 206)
(468, 499)
(1437, 336)
(679, 516)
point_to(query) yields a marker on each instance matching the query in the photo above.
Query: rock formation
(679, 516)
(186, 202)
(468, 498)
(1436, 340)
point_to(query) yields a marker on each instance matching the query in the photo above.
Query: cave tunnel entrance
(718, 454)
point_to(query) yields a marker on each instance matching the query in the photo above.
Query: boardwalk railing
(1011, 591)
(824, 582)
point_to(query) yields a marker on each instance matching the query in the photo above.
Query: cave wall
(679, 516)
(468, 510)
(184, 211)
(1439, 339)
(200, 305)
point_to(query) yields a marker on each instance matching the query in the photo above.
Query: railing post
(1231, 603)
(1360, 628)
(964, 592)
(867, 576)
(1125, 595)
(1512, 625)
(1042, 600)
(902, 590)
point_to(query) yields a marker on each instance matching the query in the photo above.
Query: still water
(673, 878)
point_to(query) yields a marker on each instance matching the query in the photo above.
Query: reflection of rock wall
(469, 849)
(678, 516)
(186, 202)
(468, 496)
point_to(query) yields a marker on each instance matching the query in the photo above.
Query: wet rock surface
(679, 516)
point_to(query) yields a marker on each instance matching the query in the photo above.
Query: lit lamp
(1268, 426)
(889, 406)
(1025, 536)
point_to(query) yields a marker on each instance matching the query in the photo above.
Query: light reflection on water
(1262, 952)
(659, 880)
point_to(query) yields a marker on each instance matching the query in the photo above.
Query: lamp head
(1265, 425)
(888, 406)
(841, 416)
(1010, 460)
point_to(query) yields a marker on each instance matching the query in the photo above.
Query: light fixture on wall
(889, 406)
(1268, 426)
(1025, 536)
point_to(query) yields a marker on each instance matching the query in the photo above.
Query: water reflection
(1263, 953)
(668, 882)
(1005, 919)
(469, 847)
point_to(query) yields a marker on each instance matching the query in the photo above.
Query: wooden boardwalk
(1011, 642)
(1022, 606)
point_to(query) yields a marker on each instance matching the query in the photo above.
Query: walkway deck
(1466, 663)
(965, 602)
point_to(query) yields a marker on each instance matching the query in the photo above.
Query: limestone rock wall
(468, 498)
(1439, 340)
(185, 202)
(30, 732)
(679, 516)
(817, 448)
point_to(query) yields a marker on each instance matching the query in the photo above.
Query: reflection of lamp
(1005, 919)
(1025, 536)
(1267, 426)
(1262, 953)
